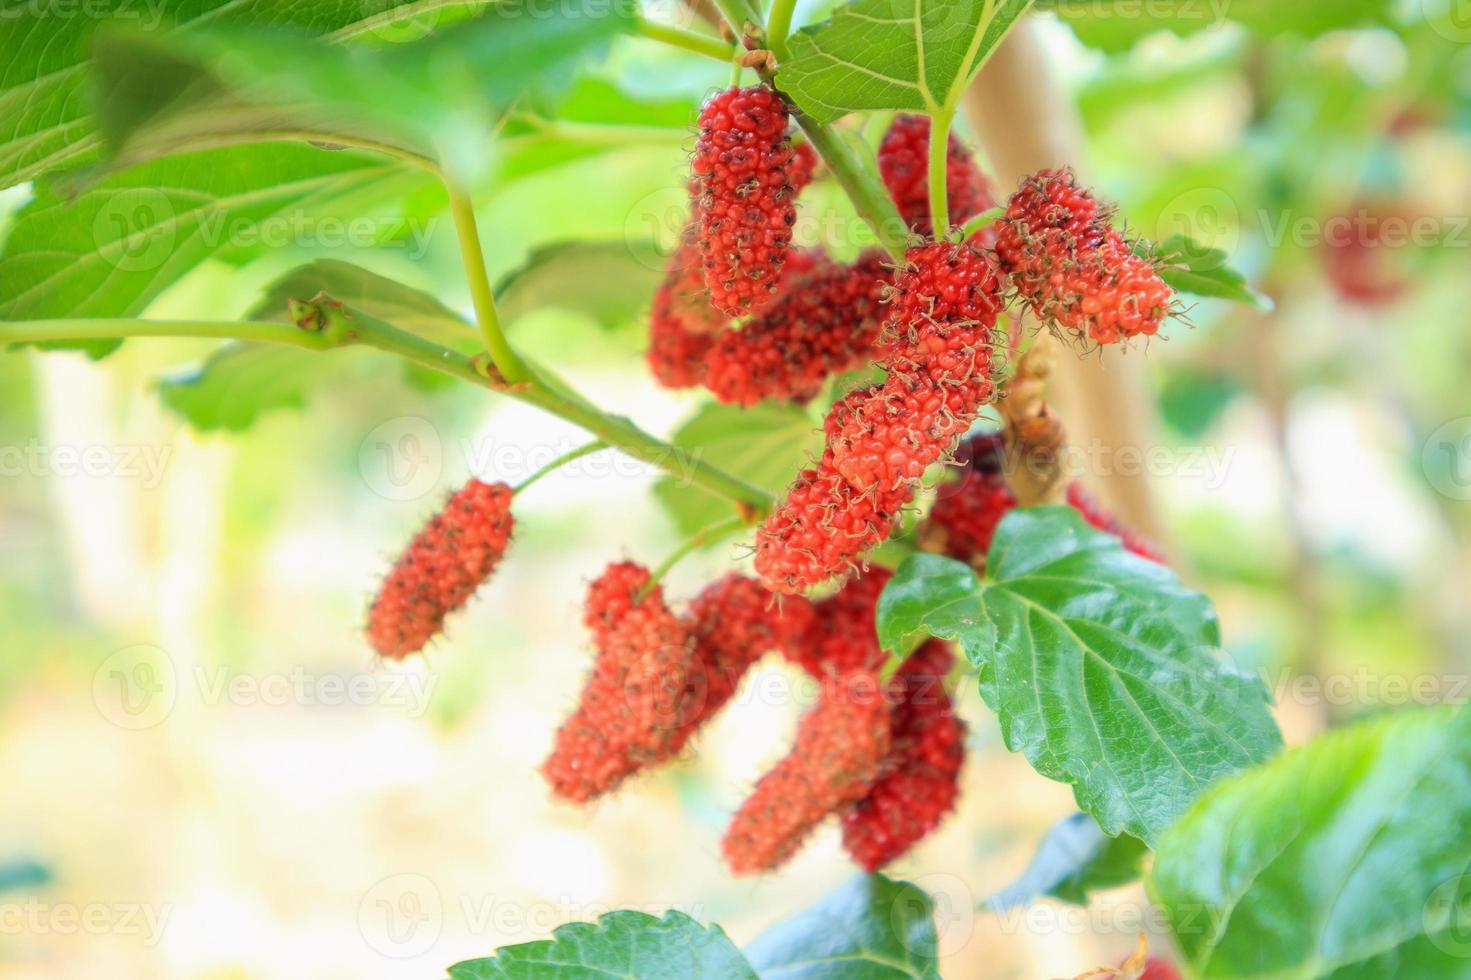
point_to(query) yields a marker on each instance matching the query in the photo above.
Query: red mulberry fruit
(919, 780)
(818, 531)
(441, 568)
(746, 202)
(904, 164)
(1082, 501)
(1073, 268)
(820, 324)
(629, 710)
(840, 745)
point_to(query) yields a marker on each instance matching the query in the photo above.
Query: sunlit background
(207, 775)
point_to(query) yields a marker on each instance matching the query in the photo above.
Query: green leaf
(116, 246)
(239, 83)
(238, 383)
(873, 928)
(1103, 669)
(608, 282)
(1075, 859)
(624, 944)
(46, 49)
(1346, 857)
(1116, 28)
(378, 296)
(894, 54)
(1190, 267)
(765, 445)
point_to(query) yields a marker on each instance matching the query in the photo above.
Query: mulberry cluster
(441, 568)
(1069, 264)
(744, 196)
(657, 678)
(841, 744)
(903, 158)
(919, 779)
(821, 323)
(938, 348)
(966, 511)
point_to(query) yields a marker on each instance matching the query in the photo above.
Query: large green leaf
(624, 944)
(764, 445)
(873, 928)
(609, 282)
(916, 55)
(1115, 27)
(237, 82)
(1347, 857)
(45, 46)
(117, 245)
(1103, 669)
(1075, 859)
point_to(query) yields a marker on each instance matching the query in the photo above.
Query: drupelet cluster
(445, 562)
(1069, 264)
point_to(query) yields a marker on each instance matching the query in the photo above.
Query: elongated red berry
(441, 568)
(1067, 262)
(840, 745)
(919, 779)
(629, 710)
(904, 164)
(821, 529)
(742, 173)
(939, 342)
(820, 324)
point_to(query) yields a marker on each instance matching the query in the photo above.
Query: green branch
(688, 40)
(505, 359)
(938, 178)
(860, 181)
(778, 26)
(357, 328)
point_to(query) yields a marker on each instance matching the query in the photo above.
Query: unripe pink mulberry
(1072, 267)
(840, 745)
(742, 171)
(919, 780)
(904, 164)
(441, 568)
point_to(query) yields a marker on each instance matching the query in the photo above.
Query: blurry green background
(200, 753)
